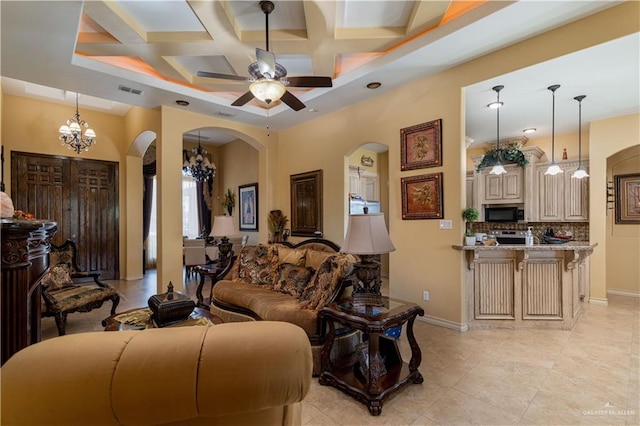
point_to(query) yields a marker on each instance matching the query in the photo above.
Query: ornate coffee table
(138, 319)
(376, 370)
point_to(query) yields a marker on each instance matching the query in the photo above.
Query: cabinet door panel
(550, 196)
(512, 186)
(492, 187)
(576, 200)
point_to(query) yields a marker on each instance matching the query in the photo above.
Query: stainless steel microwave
(503, 214)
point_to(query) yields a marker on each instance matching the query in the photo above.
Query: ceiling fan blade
(293, 102)
(221, 76)
(243, 99)
(310, 81)
(266, 62)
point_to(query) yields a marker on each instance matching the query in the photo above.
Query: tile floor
(590, 375)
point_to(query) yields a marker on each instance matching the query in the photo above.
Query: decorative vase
(470, 241)
(230, 210)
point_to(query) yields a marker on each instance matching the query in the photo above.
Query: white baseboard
(624, 293)
(598, 301)
(444, 323)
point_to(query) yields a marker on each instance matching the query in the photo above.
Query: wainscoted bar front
(517, 286)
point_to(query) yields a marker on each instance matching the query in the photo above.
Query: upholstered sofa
(228, 374)
(290, 283)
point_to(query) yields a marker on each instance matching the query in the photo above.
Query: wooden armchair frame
(86, 292)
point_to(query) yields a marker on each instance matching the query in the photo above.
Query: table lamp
(222, 228)
(367, 237)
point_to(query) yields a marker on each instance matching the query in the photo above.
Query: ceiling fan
(268, 78)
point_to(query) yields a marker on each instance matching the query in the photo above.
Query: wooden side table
(112, 323)
(210, 270)
(377, 369)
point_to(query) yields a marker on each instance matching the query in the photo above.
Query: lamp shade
(267, 90)
(223, 226)
(367, 234)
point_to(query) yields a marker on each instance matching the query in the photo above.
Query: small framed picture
(421, 145)
(627, 199)
(422, 197)
(248, 207)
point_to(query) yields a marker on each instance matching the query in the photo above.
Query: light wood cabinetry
(364, 183)
(560, 197)
(514, 187)
(470, 190)
(541, 286)
(503, 189)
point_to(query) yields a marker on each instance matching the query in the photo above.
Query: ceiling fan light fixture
(267, 90)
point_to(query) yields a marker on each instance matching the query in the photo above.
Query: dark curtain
(149, 171)
(204, 214)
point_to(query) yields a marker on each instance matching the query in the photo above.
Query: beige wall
(354, 159)
(30, 125)
(239, 163)
(608, 137)
(623, 240)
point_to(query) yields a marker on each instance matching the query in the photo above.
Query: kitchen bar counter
(571, 245)
(519, 286)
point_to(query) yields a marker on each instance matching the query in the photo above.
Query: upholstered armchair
(67, 289)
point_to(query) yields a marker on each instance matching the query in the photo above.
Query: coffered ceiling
(148, 52)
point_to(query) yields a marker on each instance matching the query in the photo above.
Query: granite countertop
(571, 245)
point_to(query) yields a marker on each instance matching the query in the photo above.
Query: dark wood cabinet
(81, 196)
(25, 249)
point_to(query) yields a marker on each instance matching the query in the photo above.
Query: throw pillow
(257, 264)
(292, 256)
(326, 280)
(292, 279)
(315, 258)
(57, 277)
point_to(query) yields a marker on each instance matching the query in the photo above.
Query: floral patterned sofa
(290, 283)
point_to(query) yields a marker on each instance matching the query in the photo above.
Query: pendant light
(580, 172)
(553, 169)
(498, 168)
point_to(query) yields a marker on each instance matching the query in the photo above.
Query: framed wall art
(627, 198)
(422, 197)
(421, 145)
(248, 196)
(306, 204)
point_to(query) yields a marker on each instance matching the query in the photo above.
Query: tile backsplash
(580, 230)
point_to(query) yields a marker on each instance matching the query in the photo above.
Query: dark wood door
(81, 196)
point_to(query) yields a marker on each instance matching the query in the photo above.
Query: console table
(25, 250)
(376, 370)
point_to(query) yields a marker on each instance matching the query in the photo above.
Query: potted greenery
(470, 214)
(511, 154)
(276, 222)
(229, 201)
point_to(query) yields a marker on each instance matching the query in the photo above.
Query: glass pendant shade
(267, 90)
(553, 169)
(580, 173)
(498, 169)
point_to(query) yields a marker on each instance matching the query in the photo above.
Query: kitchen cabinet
(562, 198)
(470, 188)
(503, 189)
(364, 183)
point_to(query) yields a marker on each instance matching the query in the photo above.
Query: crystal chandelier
(76, 134)
(199, 167)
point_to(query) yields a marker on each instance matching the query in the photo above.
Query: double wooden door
(81, 196)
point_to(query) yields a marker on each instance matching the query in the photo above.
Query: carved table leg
(416, 354)
(200, 303)
(325, 354)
